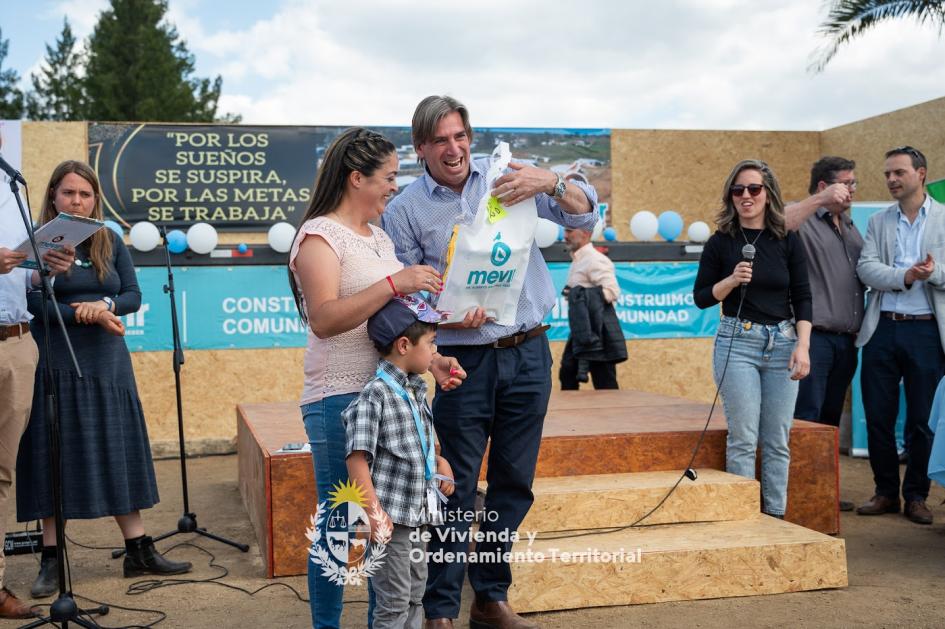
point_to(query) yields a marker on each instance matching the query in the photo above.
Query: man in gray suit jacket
(903, 332)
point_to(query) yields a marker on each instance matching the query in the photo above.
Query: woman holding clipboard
(106, 455)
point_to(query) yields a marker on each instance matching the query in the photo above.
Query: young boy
(391, 455)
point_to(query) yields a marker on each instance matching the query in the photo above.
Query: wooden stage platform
(585, 432)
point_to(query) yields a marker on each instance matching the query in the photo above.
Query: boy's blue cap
(389, 323)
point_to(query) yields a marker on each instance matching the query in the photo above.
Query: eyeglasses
(754, 189)
(851, 185)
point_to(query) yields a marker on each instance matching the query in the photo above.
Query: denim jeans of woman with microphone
(762, 345)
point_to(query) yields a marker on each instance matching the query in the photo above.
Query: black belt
(834, 333)
(514, 340)
(17, 329)
(898, 316)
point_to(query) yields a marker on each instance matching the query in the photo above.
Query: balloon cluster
(669, 225)
(200, 238)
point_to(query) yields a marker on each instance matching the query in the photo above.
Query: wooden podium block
(610, 500)
(676, 562)
(585, 433)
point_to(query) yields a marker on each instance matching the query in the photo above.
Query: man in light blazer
(903, 332)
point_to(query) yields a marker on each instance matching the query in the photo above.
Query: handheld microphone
(11, 172)
(748, 255)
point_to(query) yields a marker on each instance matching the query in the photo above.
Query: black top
(779, 288)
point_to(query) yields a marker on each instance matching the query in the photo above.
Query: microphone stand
(64, 609)
(188, 521)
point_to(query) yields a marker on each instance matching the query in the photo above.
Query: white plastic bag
(487, 258)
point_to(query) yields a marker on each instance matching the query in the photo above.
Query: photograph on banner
(247, 178)
(655, 302)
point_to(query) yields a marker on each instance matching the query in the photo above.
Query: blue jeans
(758, 395)
(326, 434)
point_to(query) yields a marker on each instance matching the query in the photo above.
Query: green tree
(11, 98)
(138, 69)
(850, 18)
(57, 90)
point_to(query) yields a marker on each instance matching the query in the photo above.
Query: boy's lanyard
(429, 453)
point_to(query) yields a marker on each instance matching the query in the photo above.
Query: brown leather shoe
(438, 623)
(12, 607)
(918, 512)
(879, 505)
(496, 615)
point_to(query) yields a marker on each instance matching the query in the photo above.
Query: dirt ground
(896, 572)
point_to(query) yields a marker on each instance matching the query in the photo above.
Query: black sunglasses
(915, 153)
(754, 189)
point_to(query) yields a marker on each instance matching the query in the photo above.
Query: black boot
(142, 558)
(47, 581)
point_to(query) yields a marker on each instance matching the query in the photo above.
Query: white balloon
(546, 232)
(202, 238)
(698, 232)
(144, 236)
(644, 225)
(598, 233)
(281, 236)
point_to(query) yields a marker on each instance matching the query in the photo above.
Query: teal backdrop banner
(250, 307)
(655, 302)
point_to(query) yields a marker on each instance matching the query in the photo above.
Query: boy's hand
(447, 372)
(443, 468)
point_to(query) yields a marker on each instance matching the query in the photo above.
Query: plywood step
(677, 562)
(608, 500)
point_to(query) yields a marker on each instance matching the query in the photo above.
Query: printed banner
(655, 302)
(249, 177)
(251, 307)
(246, 307)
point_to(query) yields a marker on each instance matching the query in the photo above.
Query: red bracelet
(392, 287)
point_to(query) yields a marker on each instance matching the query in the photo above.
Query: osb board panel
(254, 486)
(45, 145)
(813, 479)
(612, 500)
(293, 493)
(680, 562)
(213, 383)
(677, 367)
(275, 424)
(867, 141)
(684, 170)
(294, 499)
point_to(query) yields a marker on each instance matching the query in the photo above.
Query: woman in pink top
(342, 269)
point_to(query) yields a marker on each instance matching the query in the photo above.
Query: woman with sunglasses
(761, 348)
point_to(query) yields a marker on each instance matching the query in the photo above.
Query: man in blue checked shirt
(505, 396)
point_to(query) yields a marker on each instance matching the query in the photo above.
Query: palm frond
(848, 19)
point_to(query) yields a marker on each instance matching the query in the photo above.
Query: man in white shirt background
(596, 343)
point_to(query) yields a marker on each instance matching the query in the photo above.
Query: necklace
(752, 243)
(85, 264)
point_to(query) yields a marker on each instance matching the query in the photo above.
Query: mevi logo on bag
(488, 278)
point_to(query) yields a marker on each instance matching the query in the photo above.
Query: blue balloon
(115, 227)
(670, 225)
(560, 232)
(176, 241)
(243, 248)
(610, 234)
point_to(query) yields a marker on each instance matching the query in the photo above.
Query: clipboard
(64, 230)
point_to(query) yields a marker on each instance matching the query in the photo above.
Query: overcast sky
(680, 64)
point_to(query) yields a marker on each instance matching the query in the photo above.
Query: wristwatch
(109, 302)
(558, 191)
